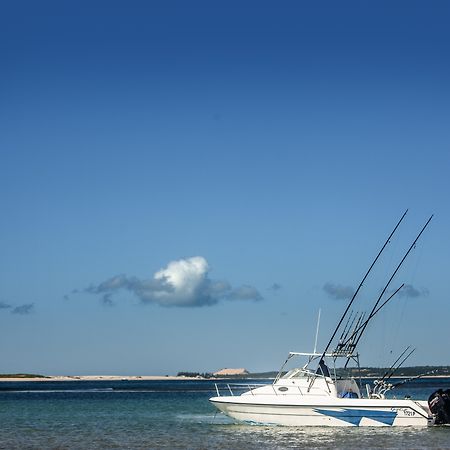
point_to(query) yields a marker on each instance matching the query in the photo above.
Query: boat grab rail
(237, 386)
(249, 388)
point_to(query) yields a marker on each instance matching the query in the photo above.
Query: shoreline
(151, 378)
(45, 378)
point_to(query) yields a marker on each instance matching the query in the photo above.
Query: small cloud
(107, 299)
(184, 282)
(4, 305)
(67, 296)
(23, 309)
(338, 291)
(275, 287)
(245, 292)
(409, 291)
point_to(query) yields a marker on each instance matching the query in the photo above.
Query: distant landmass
(366, 372)
(231, 372)
(227, 372)
(21, 375)
(375, 372)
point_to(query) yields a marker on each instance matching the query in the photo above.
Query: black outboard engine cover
(439, 403)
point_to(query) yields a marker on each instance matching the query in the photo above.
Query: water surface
(173, 415)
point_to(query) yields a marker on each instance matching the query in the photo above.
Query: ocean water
(174, 415)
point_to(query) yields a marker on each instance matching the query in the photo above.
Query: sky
(184, 185)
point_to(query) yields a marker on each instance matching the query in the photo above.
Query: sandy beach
(147, 377)
(100, 378)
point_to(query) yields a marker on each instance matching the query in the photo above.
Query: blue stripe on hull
(354, 416)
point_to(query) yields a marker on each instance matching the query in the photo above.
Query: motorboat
(326, 390)
(304, 397)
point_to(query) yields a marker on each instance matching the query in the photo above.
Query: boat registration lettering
(406, 411)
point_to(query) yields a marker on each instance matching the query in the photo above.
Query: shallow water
(173, 415)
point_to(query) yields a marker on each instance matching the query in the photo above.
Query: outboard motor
(439, 403)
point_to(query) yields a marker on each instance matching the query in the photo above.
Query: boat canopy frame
(319, 371)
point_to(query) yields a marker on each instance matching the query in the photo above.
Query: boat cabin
(321, 381)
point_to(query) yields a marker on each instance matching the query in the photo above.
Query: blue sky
(278, 143)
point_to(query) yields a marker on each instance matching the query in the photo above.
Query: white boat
(302, 397)
(316, 394)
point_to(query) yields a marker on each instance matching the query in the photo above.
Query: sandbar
(100, 378)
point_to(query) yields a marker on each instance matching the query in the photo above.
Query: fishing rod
(350, 345)
(359, 287)
(382, 385)
(348, 327)
(387, 387)
(414, 378)
(344, 331)
(352, 336)
(342, 339)
(389, 282)
(395, 362)
(386, 301)
(346, 346)
(400, 364)
(359, 321)
(359, 317)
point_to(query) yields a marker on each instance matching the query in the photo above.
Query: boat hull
(340, 412)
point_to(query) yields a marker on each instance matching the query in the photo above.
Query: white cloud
(184, 282)
(186, 277)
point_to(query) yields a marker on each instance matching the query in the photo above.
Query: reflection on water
(337, 438)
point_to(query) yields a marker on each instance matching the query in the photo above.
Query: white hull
(333, 412)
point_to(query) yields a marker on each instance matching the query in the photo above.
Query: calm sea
(173, 415)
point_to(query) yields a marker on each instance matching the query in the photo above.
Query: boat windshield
(297, 373)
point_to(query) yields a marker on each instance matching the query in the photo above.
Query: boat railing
(232, 389)
(236, 388)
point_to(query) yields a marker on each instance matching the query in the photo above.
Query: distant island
(376, 372)
(219, 374)
(366, 372)
(21, 375)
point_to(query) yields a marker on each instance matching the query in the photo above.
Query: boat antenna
(374, 309)
(317, 331)
(359, 287)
